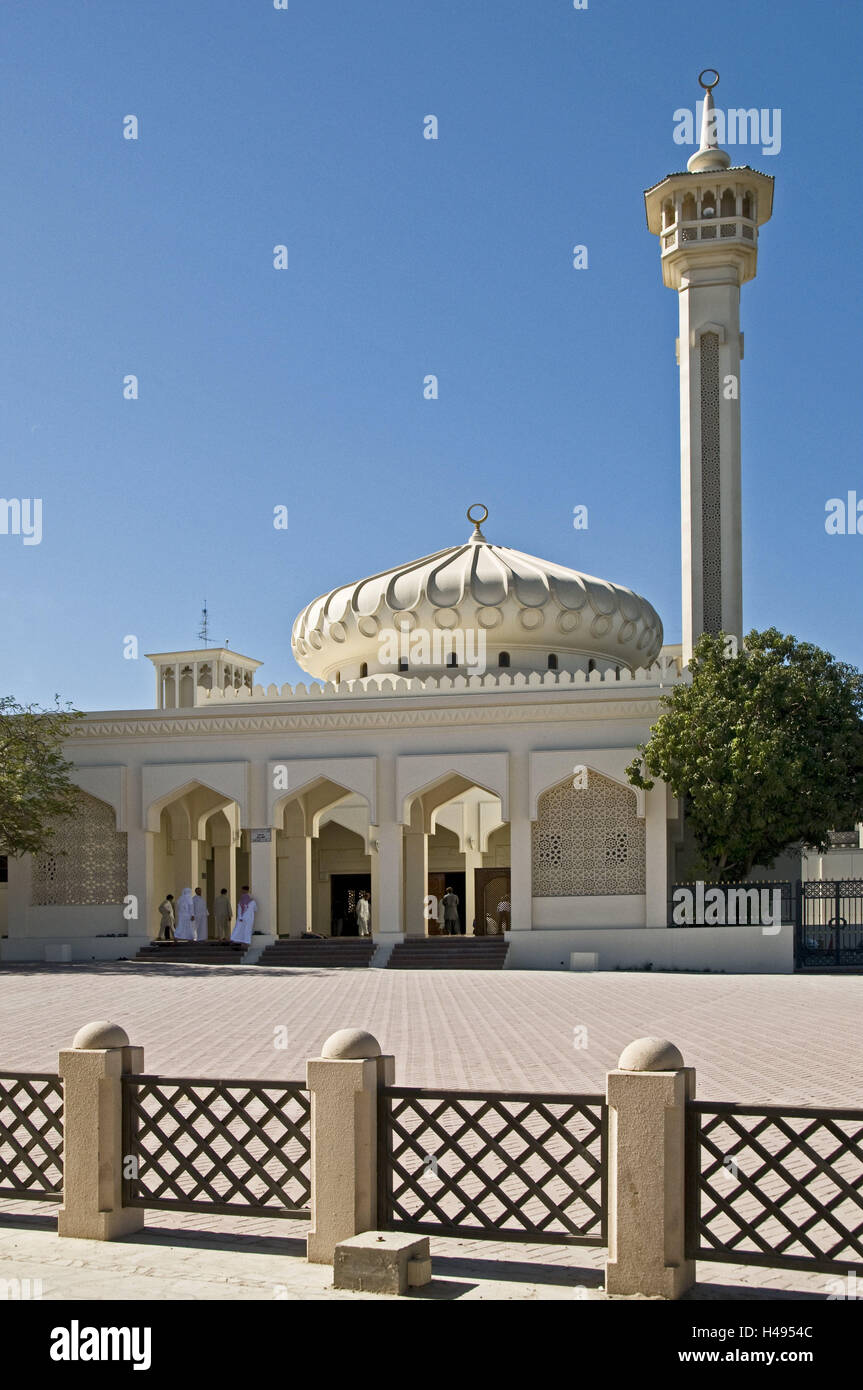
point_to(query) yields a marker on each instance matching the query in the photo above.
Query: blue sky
(304, 387)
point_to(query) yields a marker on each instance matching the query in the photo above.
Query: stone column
(297, 875)
(344, 1084)
(416, 882)
(647, 1097)
(520, 843)
(388, 863)
(472, 862)
(521, 874)
(93, 1134)
(139, 884)
(388, 880)
(225, 873)
(656, 855)
(262, 869)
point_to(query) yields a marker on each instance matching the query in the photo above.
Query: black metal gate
(830, 924)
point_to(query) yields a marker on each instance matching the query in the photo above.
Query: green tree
(764, 748)
(35, 790)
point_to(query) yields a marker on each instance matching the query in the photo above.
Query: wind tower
(707, 220)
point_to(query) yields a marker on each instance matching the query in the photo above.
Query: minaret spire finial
(708, 155)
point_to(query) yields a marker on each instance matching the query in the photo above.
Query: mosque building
(467, 725)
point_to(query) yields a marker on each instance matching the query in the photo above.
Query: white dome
(481, 601)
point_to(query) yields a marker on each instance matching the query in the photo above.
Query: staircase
(449, 953)
(351, 952)
(191, 953)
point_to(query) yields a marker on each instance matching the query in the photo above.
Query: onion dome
(472, 608)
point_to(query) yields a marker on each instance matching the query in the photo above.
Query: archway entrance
(197, 843)
(453, 827)
(323, 859)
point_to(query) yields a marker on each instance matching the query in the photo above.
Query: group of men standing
(188, 919)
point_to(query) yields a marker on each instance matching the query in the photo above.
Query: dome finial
(708, 155)
(477, 520)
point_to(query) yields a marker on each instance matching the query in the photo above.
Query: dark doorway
(344, 891)
(437, 885)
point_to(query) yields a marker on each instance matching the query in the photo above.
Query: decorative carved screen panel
(87, 860)
(588, 841)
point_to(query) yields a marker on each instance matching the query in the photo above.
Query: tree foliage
(35, 790)
(765, 748)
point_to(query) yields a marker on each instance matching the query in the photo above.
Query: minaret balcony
(708, 229)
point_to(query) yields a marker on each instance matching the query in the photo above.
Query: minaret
(707, 220)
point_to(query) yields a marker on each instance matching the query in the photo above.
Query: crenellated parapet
(666, 671)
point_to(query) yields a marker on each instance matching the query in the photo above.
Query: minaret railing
(707, 229)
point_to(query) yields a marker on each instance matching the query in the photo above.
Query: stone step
(480, 949)
(449, 953)
(445, 965)
(191, 953)
(352, 953)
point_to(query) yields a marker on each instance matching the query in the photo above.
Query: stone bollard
(93, 1134)
(647, 1097)
(344, 1084)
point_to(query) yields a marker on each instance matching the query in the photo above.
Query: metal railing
(31, 1135)
(707, 229)
(229, 1147)
(506, 1166)
(775, 1185)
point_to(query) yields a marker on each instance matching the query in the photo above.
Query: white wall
(68, 922)
(735, 950)
(608, 910)
(836, 863)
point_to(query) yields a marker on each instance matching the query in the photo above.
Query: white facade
(388, 781)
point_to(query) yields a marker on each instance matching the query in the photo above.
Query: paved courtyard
(758, 1038)
(784, 1039)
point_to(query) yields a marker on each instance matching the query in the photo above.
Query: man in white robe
(363, 915)
(201, 915)
(246, 909)
(185, 928)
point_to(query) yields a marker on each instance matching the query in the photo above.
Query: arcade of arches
(323, 850)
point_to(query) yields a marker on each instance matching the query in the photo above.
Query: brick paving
(764, 1039)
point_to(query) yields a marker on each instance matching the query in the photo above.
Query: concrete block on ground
(382, 1262)
(419, 1271)
(584, 960)
(60, 952)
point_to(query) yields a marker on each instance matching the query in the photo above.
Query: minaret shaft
(709, 352)
(707, 221)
